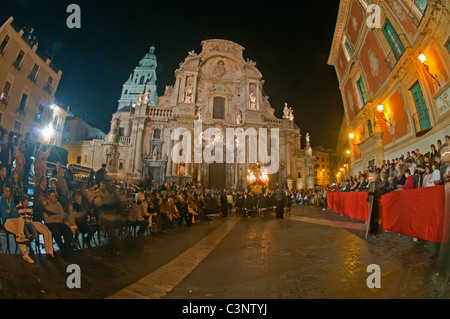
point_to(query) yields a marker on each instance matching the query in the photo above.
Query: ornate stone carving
(146, 98)
(140, 98)
(398, 10)
(219, 69)
(169, 90)
(252, 63)
(188, 90)
(252, 97)
(350, 102)
(155, 153)
(221, 88)
(355, 23)
(238, 114)
(288, 113)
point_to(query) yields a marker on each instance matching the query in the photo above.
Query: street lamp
(423, 59)
(47, 132)
(380, 109)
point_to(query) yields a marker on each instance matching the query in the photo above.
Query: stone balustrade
(124, 140)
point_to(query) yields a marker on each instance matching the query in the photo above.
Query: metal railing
(392, 58)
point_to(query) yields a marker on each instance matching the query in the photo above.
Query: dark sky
(289, 41)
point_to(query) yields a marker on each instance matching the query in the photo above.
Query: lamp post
(423, 59)
(380, 109)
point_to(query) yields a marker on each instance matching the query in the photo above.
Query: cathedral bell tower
(142, 83)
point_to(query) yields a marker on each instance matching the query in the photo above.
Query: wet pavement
(312, 254)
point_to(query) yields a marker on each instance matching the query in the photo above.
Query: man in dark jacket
(100, 175)
(279, 203)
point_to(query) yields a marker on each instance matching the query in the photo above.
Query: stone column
(169, 157)
(138, 153)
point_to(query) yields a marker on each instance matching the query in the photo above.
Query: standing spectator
(20, 161)
(442, 167)
(69, 177)
(40, 164)
(433, 152)
(100, 175)
(54, 217)
(16, 187)
(62, 186)
(6, 153)
(3, 179)
(439, 146)
(12, 222)
(90, 179)
(28, 153)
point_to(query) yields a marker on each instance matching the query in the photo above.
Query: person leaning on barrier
(376, 190)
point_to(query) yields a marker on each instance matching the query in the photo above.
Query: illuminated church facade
(220, 89)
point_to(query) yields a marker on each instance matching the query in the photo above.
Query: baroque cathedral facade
(220, 89)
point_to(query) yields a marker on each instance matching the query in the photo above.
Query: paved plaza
(310, 254)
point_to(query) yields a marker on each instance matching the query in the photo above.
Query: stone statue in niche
(155, 153)
(252, 98)
(199, 112)
(238, 117)
(189, 90)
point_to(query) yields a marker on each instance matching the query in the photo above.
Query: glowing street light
(47, 132)
(423, 58)
(351, 135)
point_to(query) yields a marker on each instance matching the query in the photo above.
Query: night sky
(289, 41)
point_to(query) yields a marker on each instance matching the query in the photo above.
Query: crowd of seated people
(410, 171)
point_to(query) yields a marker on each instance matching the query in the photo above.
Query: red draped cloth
(351, 204)
(417, 213)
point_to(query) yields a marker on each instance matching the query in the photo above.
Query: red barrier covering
(351, 204)
(417, 213)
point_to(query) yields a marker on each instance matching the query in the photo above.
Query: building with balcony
(393, 77)
(76, 129)
(28, 82)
